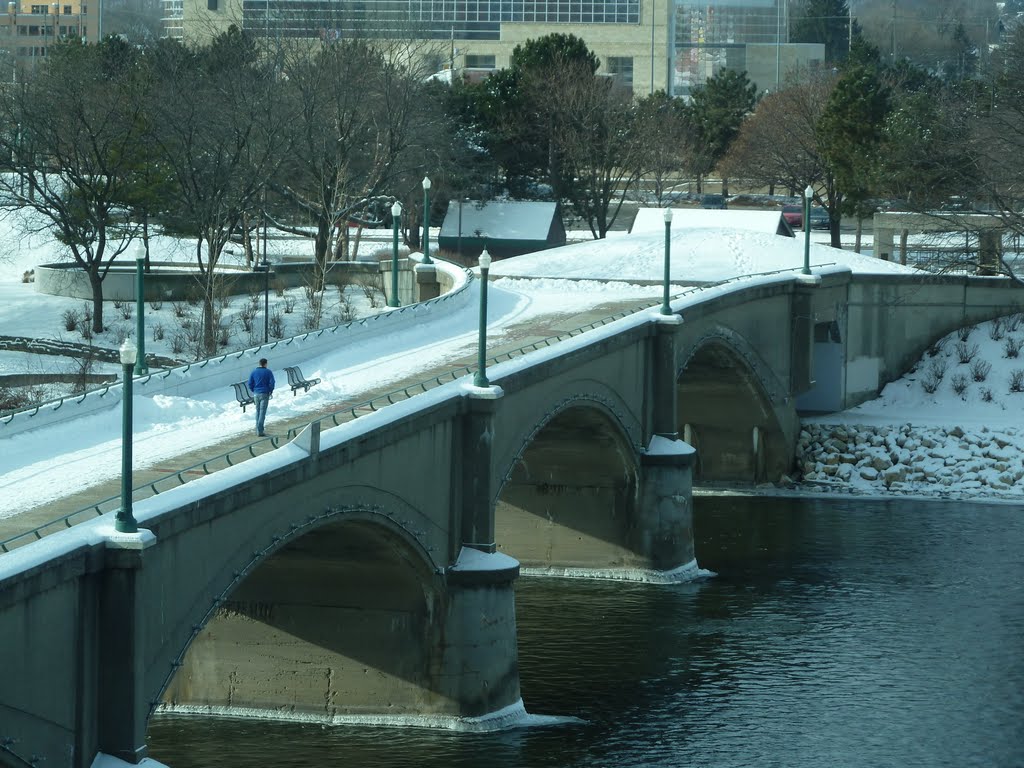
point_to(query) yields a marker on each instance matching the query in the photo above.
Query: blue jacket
(261, 380)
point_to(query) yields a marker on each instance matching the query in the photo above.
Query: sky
(563, 280)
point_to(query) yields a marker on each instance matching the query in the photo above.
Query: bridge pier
(480, 661)
(121, 707)
(664, 516)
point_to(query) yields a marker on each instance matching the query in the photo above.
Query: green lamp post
(665, 308)
(808, 194)
(480, 379)
(124, 520)
(140, 307)
(426, 220)
(396, 217)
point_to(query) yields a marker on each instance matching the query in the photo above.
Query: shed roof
(653, 220)
(500, 219)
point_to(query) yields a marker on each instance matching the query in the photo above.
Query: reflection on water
(836, 633)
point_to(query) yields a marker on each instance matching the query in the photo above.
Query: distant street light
(140, 306)
(480, 379)
(396, 217)
(665, 308)
(808, 194)
(56, 22)
(426, 221)
(124, 520)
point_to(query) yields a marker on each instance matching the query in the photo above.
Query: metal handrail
(353, 412)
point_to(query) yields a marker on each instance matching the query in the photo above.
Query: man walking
(261, 384)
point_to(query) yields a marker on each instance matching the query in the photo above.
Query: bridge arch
(568, 493)
(335, 618)
(733, 410)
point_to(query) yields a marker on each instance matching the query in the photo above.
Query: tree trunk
(860, 229)
(321, 248)
(903, 247)
(96, 284)
(209, 332)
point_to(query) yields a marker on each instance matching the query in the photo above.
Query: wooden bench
(297, 380)
(242, 394)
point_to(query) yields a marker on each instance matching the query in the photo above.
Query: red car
(794, 216)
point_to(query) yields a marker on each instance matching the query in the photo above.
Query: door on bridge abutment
(570, 502)
(346, 620)
(725, 414)
(826, 393)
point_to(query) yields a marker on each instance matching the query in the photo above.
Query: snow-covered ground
(936, 458)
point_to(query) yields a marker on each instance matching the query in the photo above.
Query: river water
(837, 632)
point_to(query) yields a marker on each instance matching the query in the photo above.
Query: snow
(565, 280)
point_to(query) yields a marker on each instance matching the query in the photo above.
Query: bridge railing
(336, 418)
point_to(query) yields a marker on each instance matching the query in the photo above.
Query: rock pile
(911, 459)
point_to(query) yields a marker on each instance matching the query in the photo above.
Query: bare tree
(220, 131)
(362, 118)
(75, 142)
(778, 145)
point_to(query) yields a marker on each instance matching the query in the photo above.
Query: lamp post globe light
(665, 308)
(56, 19)
(480, 379)
(124, 520)
(808, 194)
(426, 220)
(396, 218)
(140, 307)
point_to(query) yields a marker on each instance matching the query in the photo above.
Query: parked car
(794, 216)
(713, 201)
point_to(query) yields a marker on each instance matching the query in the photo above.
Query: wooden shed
(509, 227)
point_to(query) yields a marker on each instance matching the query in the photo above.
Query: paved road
(210, 457)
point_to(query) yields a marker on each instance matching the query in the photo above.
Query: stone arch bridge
(367, 570)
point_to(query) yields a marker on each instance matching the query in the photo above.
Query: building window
(621, 69)
(479, 62)
(211, 5)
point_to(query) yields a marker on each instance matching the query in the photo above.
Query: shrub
(289, 304)
(156, 306)
(937, 347)
(930, 383)
(180, 310)
(965, 353)
(986, 395)
(1017, 380)
(85, 328)
(1013, 321)
(247, 316)
(178, 343)
(980, 370)
(964, 333)
(158, 331)
(937, 369)
(70, 318)
(127, 310)
(277, 325)
(959, 383)
(996, 329)
(1011, 347)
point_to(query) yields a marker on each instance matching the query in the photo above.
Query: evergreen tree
(825, 21)
(850, 132)
(716, 112)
